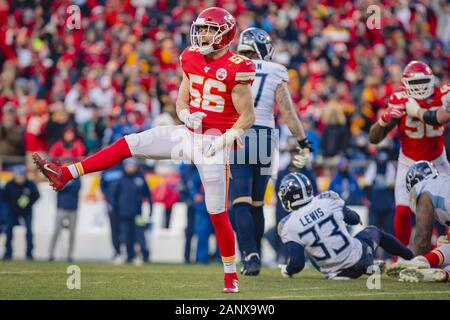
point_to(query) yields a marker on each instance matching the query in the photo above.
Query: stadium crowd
(69, 87)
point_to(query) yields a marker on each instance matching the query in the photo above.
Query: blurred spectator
(66, 215)
(312, 134)
(68, 147)
(131, 189)
(346, 185)
(335, 137)
(102, 96)
(59, 120)
(108, 185)
(203, 226)
(11, 135)
(187, 192)
(125, 124)
(166, 192)
(358, 153)
(93, 130)
(3, 212)
(20, 195)
(35, 135)
(379, 181)
(123, 60)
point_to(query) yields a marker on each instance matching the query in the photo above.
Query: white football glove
(192, 120)
(412, 107)
(284, 273)
(224, 141)
(302, 158)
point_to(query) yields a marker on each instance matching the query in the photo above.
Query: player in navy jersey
(251, 167)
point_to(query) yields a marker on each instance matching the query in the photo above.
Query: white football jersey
(320, 228)
(268, 76)
(438, 188)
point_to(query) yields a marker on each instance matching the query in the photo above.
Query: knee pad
(240, 205)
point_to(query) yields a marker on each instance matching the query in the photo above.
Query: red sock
(225, 237)
(435, 258)
(402, 224)
(104, 159)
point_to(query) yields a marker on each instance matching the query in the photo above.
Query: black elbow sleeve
(430, 117)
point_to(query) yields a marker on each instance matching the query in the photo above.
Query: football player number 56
(201, 96)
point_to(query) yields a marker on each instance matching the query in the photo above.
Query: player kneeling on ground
(429, 199)
(317, 225)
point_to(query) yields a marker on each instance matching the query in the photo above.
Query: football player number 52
(202, 96)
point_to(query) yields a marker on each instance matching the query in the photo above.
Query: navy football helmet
(258, 41)
(295, 191)
(419, 171)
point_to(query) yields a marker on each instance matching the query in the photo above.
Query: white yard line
(25, 272)
(302, 289)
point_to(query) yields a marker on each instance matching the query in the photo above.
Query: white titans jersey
(438, 188)
(320, 228)
(268, 76)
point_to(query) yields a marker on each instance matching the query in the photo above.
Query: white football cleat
(418, 262)
(137, 261)
(422, 275)
(118, 260)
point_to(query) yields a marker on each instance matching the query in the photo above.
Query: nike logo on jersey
(206, 69)
(46, 167)
(249, 62)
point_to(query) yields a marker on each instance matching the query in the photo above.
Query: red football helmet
(418, 80)
(219, 19)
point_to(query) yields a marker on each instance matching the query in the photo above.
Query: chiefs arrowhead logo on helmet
(418, 80)
(219, 20)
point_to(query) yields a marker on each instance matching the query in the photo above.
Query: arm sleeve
(296, 254)
(430, 117)
(350, 216)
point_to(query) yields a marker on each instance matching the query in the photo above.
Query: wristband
(430, 117)
(305, 144)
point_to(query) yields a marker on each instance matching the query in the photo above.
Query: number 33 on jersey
(211, 83)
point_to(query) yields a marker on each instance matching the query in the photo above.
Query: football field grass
(42, 280)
